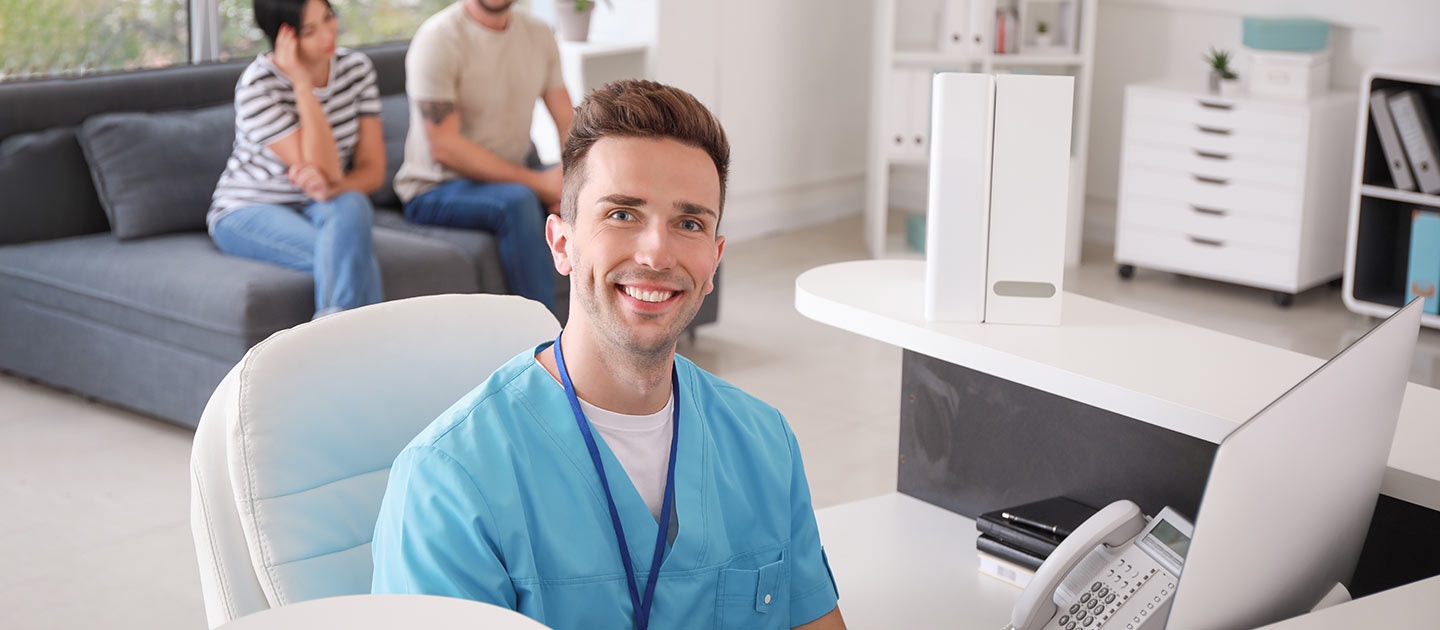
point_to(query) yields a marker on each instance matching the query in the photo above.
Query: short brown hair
(635, 108)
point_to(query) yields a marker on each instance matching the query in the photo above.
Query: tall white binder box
(957, 221)
(999, 188)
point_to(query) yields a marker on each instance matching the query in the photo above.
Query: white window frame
(204, 31)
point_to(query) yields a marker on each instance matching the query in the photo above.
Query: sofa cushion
(179, 289)
(45, 187)
(155, 172)
(481, 248)
(478, 246)
(395, 122)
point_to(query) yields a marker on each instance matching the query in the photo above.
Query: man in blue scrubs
(600, 480)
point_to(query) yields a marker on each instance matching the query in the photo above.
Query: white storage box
(1287, 76)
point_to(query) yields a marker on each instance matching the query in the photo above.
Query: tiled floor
(94, 501)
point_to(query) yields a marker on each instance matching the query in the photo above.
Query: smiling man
(600, 480)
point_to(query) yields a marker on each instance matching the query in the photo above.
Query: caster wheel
(1126, 271)
(1283, 300)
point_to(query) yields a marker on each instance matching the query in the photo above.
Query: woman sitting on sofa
(303, 112)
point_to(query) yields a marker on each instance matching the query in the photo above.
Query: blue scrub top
(498, 501)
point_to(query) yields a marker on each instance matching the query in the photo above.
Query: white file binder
(1029, 194)
(1413, 124)
(1390, 140)
(957, 230)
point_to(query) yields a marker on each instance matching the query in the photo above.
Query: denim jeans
(510, 211)
(330, 240)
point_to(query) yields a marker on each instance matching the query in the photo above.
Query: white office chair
(293, 451)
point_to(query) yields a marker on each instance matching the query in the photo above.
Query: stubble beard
(618, 342)
(503, 6)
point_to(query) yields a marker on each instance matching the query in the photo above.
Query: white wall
(1140, 40)
(788, 79)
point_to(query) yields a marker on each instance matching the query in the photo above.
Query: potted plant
(1223, 79)
(1043, 37)
(572, 18)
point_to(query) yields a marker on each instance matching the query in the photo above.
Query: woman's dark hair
(270, 14)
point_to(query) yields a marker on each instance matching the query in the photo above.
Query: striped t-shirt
(265, 112)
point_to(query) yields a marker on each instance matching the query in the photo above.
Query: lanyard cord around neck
(641, 606)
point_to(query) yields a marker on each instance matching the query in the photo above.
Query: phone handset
(1115, 525)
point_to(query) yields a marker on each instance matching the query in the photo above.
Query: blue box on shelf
(1424, 274)
(915, 232)
(1286, 34)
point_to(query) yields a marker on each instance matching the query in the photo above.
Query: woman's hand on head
(287, 56)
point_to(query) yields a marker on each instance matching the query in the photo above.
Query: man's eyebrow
(622, 200)
(695, 208)
(684, 207)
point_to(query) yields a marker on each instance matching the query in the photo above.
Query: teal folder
(1424, 273)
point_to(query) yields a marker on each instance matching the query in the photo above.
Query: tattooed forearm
(436, 111)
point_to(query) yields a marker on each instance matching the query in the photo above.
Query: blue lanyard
(641, 606)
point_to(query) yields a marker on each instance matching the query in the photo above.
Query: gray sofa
(109, 285)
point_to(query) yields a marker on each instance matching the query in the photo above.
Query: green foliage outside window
(361, 22)
(68, 37)
(46, 37)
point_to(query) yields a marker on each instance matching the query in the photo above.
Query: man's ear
(557, 234)
(719, 253)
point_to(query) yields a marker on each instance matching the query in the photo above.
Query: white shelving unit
(1377, 243)
(915, 39)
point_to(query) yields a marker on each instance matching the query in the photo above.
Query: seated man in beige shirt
(473, 73)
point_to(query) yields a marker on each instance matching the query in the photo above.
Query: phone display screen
(1167, 535)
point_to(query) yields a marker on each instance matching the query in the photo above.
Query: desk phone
(1117, 571)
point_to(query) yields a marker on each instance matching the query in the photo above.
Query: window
(61, 37)
(40, 38)
(362, 22)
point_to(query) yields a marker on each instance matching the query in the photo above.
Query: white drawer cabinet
(1235, 189)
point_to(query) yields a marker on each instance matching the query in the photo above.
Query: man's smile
(648, 295)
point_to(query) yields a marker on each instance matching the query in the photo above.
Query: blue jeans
(330, 240)
(508, 210)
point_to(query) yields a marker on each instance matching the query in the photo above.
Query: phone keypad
(1106, 595)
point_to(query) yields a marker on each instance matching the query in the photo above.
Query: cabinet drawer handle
(1219, 131)
(1214, 105)
(919, 140)
(1211, 155)
(899, 140)
(1206, 241)
(1211, 211)
(1219, 181)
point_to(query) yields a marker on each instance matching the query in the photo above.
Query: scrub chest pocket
(754, 598)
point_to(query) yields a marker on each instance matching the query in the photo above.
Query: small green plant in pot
(1043, 37)
(572, 17)
(1220, 70)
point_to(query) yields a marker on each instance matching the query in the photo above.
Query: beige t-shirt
(492, 77)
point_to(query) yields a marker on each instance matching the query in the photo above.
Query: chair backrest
(294, 449)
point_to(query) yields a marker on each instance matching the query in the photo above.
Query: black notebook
(986, 544)
(1036, 527)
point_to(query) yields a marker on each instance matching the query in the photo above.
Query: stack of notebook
(1015, 541)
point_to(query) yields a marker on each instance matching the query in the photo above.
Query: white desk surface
(902, 563)
(386, 612)
(1181, 377)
